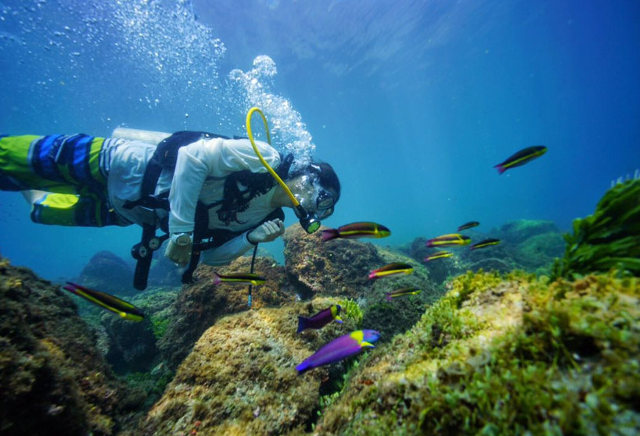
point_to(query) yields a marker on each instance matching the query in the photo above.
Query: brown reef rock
(240, 377)
(53, 380)
(336, 267)
(199, 305)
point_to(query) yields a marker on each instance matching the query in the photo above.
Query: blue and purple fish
(320, 319)
(340, 348)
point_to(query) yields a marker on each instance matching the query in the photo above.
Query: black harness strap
(215, 238)
(164, 157)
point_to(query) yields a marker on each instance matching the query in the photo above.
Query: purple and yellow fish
(448, 240)
(251, 278)
(390, 269)
(401, 292)
(485, 243)
(107, 301)
(521, 158)
(320, 319)
(438, 255)
(340, 348)
(468, 225)
(357, 230)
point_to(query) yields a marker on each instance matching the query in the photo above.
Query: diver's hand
(266, 232)
(179, 248)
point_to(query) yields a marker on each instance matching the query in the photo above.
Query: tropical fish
(438, 255)
(390, 269)
(320, 319)
(357, 230)
(521, 157)
(254, 279)
(468, 225)
(485, 243)
(401, 292)
(340, 348)
(107, 301)
(448, 240)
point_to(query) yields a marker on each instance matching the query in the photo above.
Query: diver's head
(317, 188)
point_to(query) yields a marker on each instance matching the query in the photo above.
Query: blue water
(412, 102)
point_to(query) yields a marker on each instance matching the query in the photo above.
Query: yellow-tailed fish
(357, 230)
(254, 279)
(390, 269)
(438, 255)
(485, 243)
(401, 292)
(448, 240)
(107, 301)
(521, 158)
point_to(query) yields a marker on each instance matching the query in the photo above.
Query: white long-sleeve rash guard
(200, 173)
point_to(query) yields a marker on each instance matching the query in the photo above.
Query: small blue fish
(320, 319)
(340, 348)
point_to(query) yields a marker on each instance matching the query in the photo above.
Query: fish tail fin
(372, 276)
(216, 279)
(330, 234)
(501, 169)
(302, 323)
(387, 295)
(304, 366)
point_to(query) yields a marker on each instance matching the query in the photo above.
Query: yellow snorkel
(309, 223)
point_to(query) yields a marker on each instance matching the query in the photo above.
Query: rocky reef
(504, 355)
(109, 273)
(240, 377)
(53, 379)
(528, 245)
(198, 306)
(337, 267)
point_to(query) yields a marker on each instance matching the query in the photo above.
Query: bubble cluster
(288, 131)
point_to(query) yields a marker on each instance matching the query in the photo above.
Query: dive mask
(309, 212)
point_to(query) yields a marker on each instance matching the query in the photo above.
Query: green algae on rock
(53, 380)
(610, 238)
(505, 355)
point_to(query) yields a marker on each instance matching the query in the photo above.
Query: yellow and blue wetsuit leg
(67, 168)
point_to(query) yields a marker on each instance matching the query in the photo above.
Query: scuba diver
(213, 196)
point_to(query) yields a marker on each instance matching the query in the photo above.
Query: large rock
(132, 346)
(240, 378)
(52, 378)
(336, 267)
(109, 273)
(518, 231)
(504, 355)
(198, 306)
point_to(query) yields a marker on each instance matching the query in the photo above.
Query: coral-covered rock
(335, 267)
(240, 378)
(132, 346)
(52, 378)
(518, 231)
(108, 273)
(198, 306)
(504, 355)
